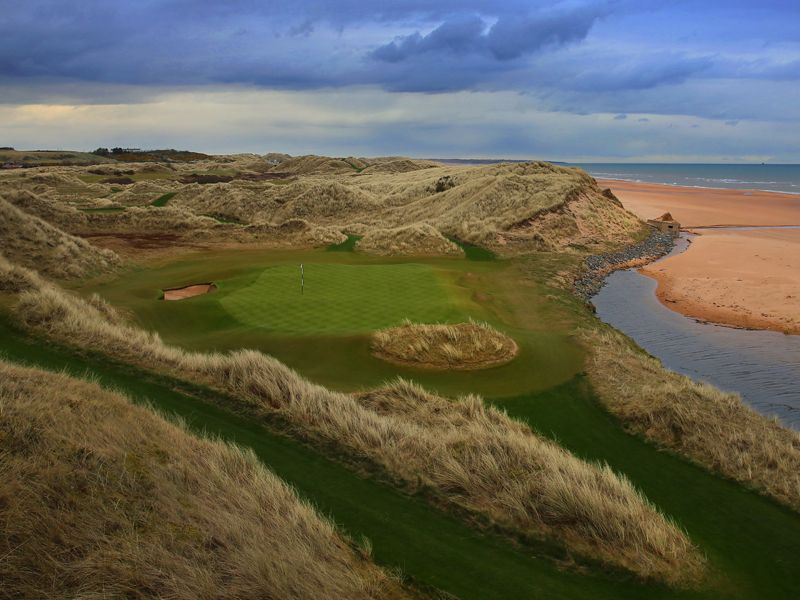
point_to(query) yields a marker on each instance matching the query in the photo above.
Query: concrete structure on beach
(666, 224)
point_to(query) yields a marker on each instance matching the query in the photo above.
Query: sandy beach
(741, 278)
(707, 207)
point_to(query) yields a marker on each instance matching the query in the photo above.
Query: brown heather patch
(464, 453)
(103, 499)
(712, 428)
(460, 346)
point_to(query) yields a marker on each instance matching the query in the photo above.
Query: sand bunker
(462, 346)
(189, 291)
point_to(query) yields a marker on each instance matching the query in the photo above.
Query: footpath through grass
(340, 298)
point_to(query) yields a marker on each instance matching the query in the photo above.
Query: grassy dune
(38, 158)
(413, 240)
(399, 205)
(713, 428)
(462, 451)
(31, 242)
(105, 499)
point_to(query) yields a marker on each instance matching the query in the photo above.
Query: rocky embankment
(599, 266)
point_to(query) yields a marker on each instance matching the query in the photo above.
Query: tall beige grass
(515, 207)
(465, 453)
(103, 499)
(411, 240)
(712, 428)
(471, 345)
(30, 241)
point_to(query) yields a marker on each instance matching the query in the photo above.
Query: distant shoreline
(698, 187)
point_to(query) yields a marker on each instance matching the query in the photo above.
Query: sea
(766, 177)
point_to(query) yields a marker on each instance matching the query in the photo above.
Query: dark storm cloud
(511, 37)
(581, 56)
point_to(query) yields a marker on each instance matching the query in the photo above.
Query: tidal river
(763, 366)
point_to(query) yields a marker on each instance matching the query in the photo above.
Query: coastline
(740, 278)
(707, 207)
(599, 266)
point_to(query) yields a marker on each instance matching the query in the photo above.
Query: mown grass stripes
(340, 298)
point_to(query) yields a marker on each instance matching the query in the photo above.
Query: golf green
(341, 298)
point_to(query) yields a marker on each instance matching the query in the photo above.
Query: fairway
(340, 298)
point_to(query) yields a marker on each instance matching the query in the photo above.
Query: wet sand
(742, 278)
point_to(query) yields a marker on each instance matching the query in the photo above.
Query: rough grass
(38, 158)
(471, 345)
(31, 242)
(103, 499)
(412, 240)
(466, 454)
(712, 428)
(401, 205)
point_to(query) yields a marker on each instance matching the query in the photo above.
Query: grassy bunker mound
(462, 346)
(189, 291)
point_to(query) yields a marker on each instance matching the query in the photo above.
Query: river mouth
(762, 366)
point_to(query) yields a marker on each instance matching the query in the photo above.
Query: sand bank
(705, 207)
(742, 278)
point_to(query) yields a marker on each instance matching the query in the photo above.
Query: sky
(576, 80)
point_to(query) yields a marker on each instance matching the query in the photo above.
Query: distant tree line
(105, 151)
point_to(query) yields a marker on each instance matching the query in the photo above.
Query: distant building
(666, 224)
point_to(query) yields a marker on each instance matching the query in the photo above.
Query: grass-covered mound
(340, 298)
(442, 346)
(103, 499)
(29, 241)
(413, 240)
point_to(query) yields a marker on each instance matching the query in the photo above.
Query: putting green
(341, 298)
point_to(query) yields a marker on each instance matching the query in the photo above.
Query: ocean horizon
(764, 177)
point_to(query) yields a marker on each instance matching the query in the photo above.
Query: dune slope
(101, 498)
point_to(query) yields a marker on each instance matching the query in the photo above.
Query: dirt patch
(189, 291)
(461, 346)
(136, 240)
